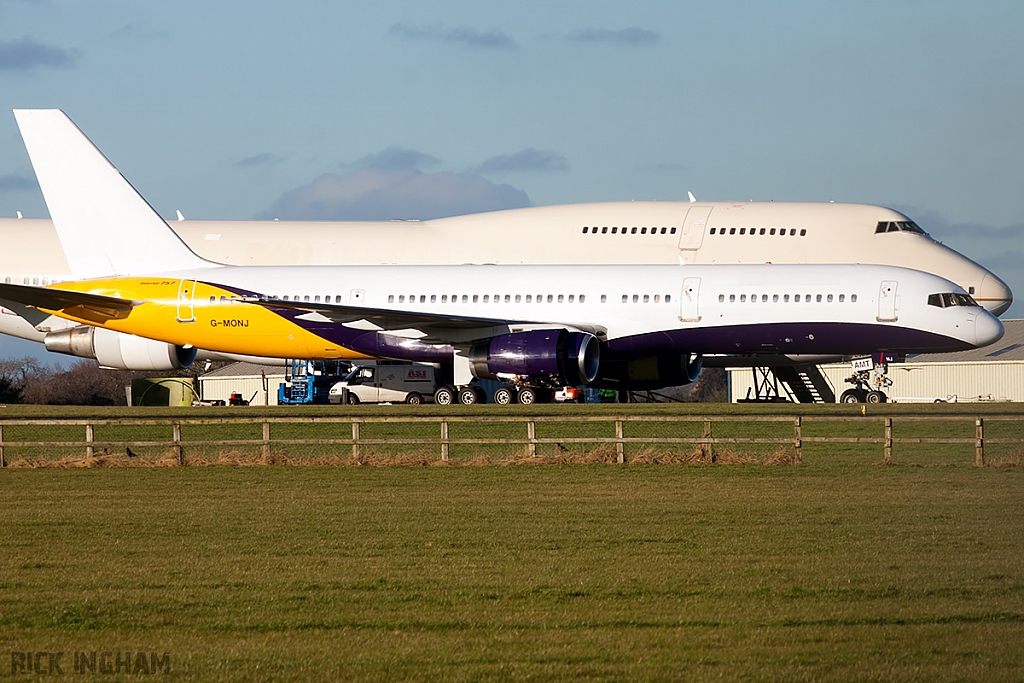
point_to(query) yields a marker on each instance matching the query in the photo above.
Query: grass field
(834, 569)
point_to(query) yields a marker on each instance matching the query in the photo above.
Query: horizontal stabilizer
(78, 304)
(105, 227)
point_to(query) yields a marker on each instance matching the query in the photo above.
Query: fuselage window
(614, 230)
(636, 298)
(829, 298)
(585, 230)
(792, 231)
(213, 299)
(732, 298)
(561, 298)
(657, 298)
(508, 298)
(465, 298)
(673, 231)
(761, 231)
(444, 298)
(583, 298)
(842, 298)
(643, 231)
(732, 231)
(433, 298)
(775, 298)
(818, 299)
(772, 231)
(305, 298)
(721, 298)
(570, 298)
(550, 298)
(633, 231)
(853, 298)
(743, 298)
(604, 230)
(391, 298)
(743, 231)
(663, 230)
(529, 298)
(712, 231)
(764, 298)
(604, 298)
(647, 298)
(796, 298)
(487, 298)
(475, 298)
(625, 298)
(785, 298)
(668, 298)
(803, 232)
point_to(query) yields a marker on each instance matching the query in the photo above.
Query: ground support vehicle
(387, 382)
(310, 381)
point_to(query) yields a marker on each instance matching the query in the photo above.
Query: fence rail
(707, 441)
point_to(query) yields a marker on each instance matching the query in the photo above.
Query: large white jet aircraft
(620, 326)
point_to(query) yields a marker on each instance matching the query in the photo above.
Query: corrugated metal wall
(989, 381)
(221, 388)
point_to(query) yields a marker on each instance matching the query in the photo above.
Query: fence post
(3, 460)
(89, 451)
(444, 439)
(707, 450)
(620, 449)
(531, 434)
(979, 444)
(888, 441)
(177, 444)
(798, 439)
(266, 442)
(355, 440)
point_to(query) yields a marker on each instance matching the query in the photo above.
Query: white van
(413, 383)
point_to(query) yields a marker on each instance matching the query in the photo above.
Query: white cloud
(529, 160)
(28, 53)
(385, 194)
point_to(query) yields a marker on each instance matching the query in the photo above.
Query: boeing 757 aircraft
(619, 326)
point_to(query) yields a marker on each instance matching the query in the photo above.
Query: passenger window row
(626, 231)
(785, 298)
(35, 281)
(760, 231)
(487, 298)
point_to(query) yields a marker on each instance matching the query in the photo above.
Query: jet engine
(570, 358)
(117, 350)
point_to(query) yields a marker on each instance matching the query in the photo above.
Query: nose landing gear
(869, 380)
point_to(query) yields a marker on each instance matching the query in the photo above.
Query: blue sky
(409, 109)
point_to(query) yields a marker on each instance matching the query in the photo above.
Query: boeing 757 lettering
(621, 326)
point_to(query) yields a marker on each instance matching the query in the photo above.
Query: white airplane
(623, 326)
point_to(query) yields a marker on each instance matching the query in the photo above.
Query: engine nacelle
(117, 350)
(649, 372)
(573, 357)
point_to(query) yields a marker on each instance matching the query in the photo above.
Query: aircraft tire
(850, 396)
(468, 396)
(527, 396)
(445, 396)
(503, 396)
(875, 397)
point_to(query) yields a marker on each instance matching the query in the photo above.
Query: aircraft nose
(987, 329)
(994, 295)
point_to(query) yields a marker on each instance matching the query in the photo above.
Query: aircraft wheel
(468, 396)
(504, 396)
(414, 399)
(444, 396)
(527, 396)
(352, 399)
(850, 396)
(875, 397)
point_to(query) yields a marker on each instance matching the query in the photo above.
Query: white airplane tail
(105, 226)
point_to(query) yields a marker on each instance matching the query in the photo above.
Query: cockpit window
(948, 299)
(899, 226)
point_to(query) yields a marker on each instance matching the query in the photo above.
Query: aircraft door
(693, 227)
(689, 310)
(356, 297)
(186, 301)
(887, 301)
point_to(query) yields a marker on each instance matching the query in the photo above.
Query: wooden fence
(529, 439)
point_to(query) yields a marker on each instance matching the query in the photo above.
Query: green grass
(831, 570)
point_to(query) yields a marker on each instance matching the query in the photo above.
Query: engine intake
(117, 350)
(573, 357)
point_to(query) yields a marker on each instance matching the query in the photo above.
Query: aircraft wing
(439, 327)
(79, 304)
